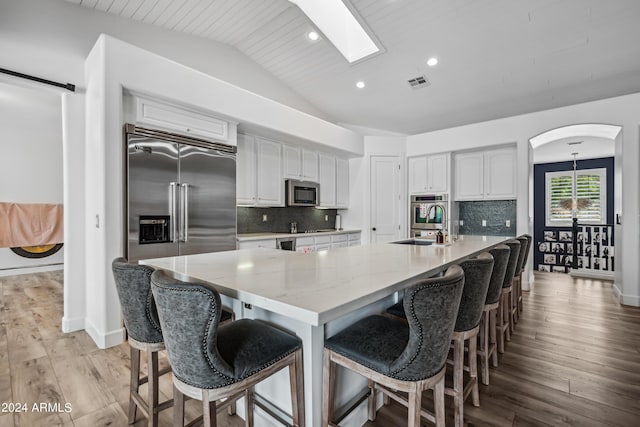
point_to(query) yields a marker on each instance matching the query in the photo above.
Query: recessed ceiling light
(432, 62)
(360, 85)
(313, 36)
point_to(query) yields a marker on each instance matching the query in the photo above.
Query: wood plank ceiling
(498, 58)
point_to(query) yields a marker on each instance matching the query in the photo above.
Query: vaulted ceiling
(497, 58)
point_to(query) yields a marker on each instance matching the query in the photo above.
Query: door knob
(374, 229)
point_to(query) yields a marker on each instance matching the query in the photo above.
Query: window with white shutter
(591, 191)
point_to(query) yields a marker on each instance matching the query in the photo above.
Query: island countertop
(318, 287)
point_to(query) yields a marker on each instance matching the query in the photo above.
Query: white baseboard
(72, 325)
(107, 340)
(591, 274)
(29, 270)
(632, 300)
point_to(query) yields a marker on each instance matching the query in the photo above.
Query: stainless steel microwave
(302, 193)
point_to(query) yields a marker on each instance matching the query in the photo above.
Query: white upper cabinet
(270, 185)
(299, 164)
(342, 183)
(292, 162)
(185, 121)
(500, 174)
(309, 165)
(418, 175)
(327, 175)
(246, 170)
(486, 175)
(429, 174)
(438, 173)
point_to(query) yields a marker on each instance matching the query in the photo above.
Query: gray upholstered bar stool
(487, 336)
(133, 284)
(477, 273)
(504, 311)
(394, 355)
(518, 295)
(515, 282)
(221, 362)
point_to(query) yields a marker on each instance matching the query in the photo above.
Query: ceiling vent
(418, 82)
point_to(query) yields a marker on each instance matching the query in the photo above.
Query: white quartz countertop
(318, 287)
(266, 236)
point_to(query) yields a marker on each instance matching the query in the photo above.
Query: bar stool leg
(473, 371)
(438, 398)
(178, 408)
(458, 383)
(415, 405)
(249, 406)
(328, 384)
(209, 411)
(483, 350)
(153, 389)
(493, 339)
(134, 384)
(296, 376)
(371, 401)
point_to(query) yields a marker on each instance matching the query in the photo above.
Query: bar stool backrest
(527, 249)
(477, 273)
(500, 261)
(524, 244)
(190, 314)
(133, 283)
(431, 307)
(514, 255)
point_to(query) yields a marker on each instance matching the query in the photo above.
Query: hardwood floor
(574, 359)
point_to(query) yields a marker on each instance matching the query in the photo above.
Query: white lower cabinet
(253, 244)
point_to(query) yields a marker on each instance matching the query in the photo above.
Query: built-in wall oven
(428, 215)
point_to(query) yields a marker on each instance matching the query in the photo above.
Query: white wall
(31, 136)
(621, 111)
(52, 39)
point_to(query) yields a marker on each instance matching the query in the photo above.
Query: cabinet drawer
(252, 244)
(339, 238)
(339, 245)
(354, 236)
(354, 242)
(304, 241)
(323, 239)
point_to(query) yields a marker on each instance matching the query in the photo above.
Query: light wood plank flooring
(574, 360)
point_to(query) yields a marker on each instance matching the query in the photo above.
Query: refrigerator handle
(185, 212)
(172, 211)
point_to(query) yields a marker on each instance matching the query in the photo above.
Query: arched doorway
(581, 157)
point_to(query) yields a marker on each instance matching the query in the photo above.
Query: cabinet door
(342, 183)
(327, 175)
(292, 162)
(246, 171)
(469, 176)
(270, 187)
(417, 175)
(309, 165)
(438, 173)
(500, 174)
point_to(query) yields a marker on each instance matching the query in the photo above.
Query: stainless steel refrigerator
(180, 195)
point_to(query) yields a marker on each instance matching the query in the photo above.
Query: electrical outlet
(507, 223)
(326, 217)
(264, 217)
(461, 223)
(484, 222)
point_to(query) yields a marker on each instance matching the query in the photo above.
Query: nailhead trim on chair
(212, 311)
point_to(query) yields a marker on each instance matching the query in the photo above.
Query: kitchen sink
(418, 242)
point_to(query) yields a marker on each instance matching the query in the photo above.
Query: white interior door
(385, 198)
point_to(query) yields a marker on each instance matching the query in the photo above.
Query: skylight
(340, 26)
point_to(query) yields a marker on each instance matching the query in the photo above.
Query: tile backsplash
(494, 212)
(278, 219)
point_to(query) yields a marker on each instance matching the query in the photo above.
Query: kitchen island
(315, 295)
